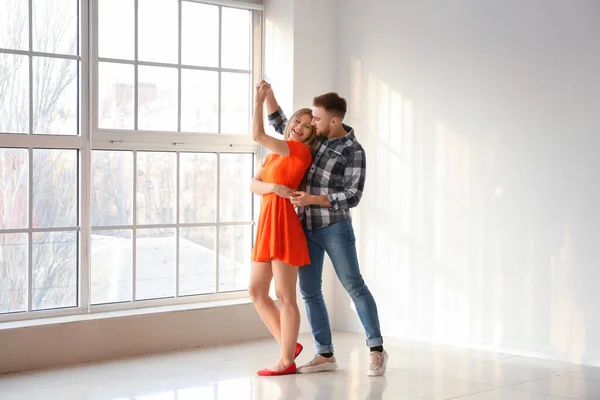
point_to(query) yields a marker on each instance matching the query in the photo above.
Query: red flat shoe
(267, 372)
(299, 348)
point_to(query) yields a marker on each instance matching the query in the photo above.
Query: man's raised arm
(277, 118)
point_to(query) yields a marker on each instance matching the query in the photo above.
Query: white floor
(415, 371)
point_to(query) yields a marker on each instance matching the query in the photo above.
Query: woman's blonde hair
(311, 140)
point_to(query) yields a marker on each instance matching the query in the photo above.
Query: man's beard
(322, 133)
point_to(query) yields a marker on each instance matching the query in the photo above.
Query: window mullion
(220, 73)
(85, 227)
(92, 56)
(177, 228)
(134, 230)
(218, 228)
(30, 67)
(30, 235)
(135, 67)
(179, 18)
(85, 128)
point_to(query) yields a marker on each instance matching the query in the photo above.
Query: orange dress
(279, 235)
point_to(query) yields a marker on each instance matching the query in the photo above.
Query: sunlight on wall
(434, 240)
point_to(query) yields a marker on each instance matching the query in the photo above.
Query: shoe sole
(318, 368)
(376, 373)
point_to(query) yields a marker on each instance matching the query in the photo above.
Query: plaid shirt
(338, 171)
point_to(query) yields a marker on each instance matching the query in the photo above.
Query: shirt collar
(346, 138)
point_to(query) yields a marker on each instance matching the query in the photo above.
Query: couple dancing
(320, 168)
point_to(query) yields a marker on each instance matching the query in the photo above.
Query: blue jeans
(340, 244)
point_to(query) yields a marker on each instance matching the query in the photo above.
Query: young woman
(280, 246)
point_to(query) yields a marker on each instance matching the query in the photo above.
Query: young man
(334, 185)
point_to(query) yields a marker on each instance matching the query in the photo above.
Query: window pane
(112, 265)
(236, 199)
(14, 95)
(54, 188)
(54, 270)
(197, 260)
(235, 245)
(158, 30)
(235, 99)
(236, 39)
(55, 26)
(157, 98)
(55, 97)
(200, 34)
(198, 187)
(112, 188)
(155, 263)
(156, 188)
(199, 101)
(14, 24)
(116, 19)
(14, 188)
(13, 272)
(115, 102)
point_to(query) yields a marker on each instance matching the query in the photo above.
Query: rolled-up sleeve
(278, 121)
(354, 183)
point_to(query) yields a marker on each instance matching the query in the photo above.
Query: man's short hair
(331, 102)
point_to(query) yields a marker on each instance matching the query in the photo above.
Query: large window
(187, 67)
(125, 158)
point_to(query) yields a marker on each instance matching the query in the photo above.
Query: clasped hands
(298, 198)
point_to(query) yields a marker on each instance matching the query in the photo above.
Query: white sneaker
(318, 364)
(379, 360)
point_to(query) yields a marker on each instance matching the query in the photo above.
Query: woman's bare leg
(260, 281)
(286, 278)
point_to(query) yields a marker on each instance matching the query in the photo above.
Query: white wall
(300, 50)
(315, 50)
(279, 49)
(480, 225)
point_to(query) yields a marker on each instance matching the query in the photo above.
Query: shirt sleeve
(354, 183)
(278, 121)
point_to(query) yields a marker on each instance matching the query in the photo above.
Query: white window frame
(90, 138)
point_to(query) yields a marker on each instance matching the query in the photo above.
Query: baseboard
(544, 354)
(67, 343)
